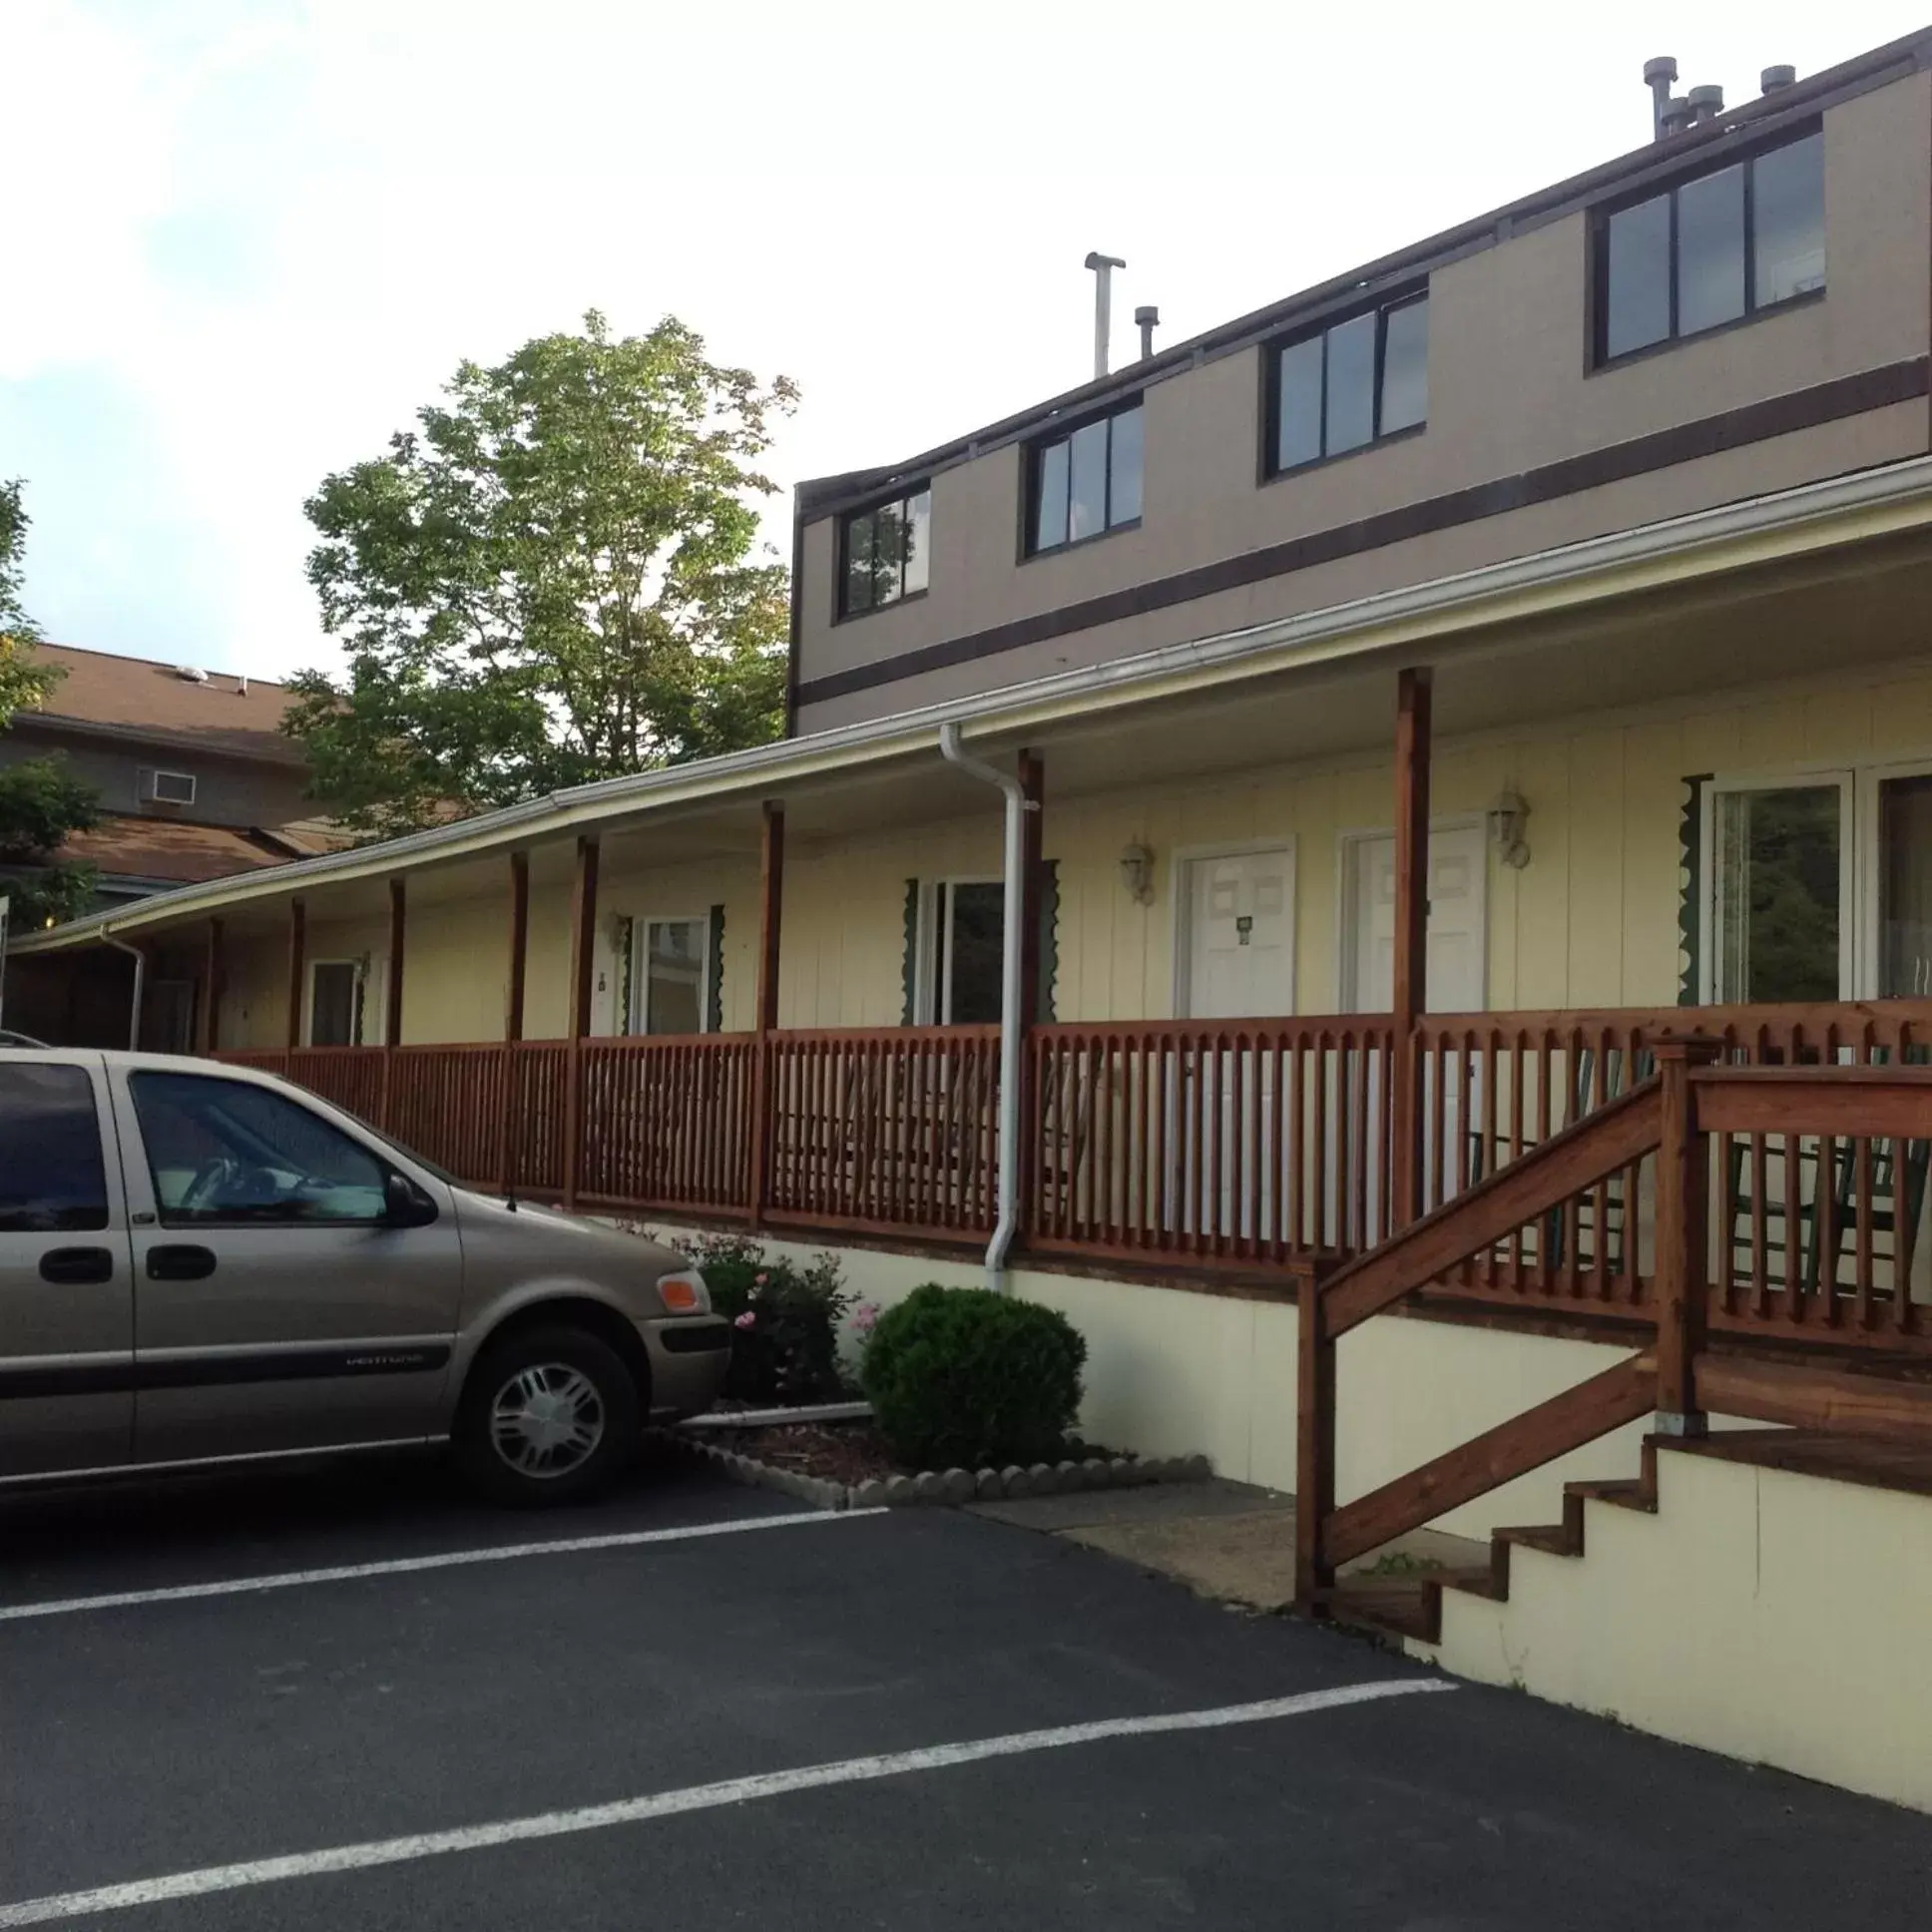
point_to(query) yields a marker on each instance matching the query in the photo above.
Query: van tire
(527, 1398)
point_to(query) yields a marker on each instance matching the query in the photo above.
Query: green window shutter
(1691, 889)
(1049, 936)
(627, 1018)
(910, 967)
(715, 974)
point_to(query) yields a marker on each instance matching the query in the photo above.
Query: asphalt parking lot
(439, 1715)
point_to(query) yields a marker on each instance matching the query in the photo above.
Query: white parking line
(695, 1798)
(405, 1566)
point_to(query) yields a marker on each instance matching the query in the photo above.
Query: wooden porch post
(771, 920)
(392, 1001)
(1315, 1460)
(1413, 705)
(519, 943)
(297, 968)
(212, 991)
(582, 946)
(506, 1161)
(1682, 1238)
(1033, 783)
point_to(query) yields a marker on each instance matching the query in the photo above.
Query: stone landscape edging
(947, 1489)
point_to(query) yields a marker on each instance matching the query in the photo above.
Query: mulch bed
(834, 1452)
(843, 1452)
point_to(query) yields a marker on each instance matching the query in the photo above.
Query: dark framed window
(885, 552)
(1712, 250)
(52, 1177)
(1350, 385)
(1087, 481)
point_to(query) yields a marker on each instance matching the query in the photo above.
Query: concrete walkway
(1231, 1542)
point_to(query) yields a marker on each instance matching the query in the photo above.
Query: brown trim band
(1825, 402)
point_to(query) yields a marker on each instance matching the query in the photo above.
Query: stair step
(1402, 1605)
(1489, 1579)
(1631, 1494)
(1555, 1539)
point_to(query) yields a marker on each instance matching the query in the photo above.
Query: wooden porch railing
(1243, 1143)
(1260, 1147)
(1686, 1121)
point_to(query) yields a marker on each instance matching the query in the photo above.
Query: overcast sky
(243, 241)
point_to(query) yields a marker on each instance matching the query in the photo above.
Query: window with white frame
(961, 952)
(1819, 885)
(335, 1003)
(669, 975)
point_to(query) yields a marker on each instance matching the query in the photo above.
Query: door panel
(1458, 975)
(65, 1292)
(1240, 935)
(272, 1310)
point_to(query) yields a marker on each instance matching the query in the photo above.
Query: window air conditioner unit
(168, 788)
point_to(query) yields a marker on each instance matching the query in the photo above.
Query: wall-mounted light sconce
(1137, 874)
(1509, 822)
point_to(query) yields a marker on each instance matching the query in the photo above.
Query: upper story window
(1087, 482)
(1353, 383)
(1712, 250)
(887, 553)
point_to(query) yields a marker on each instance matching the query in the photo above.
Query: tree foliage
(38, 803)
(554, 578)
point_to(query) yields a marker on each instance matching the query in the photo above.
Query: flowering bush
(786, 1318)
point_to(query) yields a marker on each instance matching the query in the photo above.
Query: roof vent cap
(1775, 78)
(191, 673)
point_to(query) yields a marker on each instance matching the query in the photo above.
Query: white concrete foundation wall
(1171, 1372)
(1775, 1617)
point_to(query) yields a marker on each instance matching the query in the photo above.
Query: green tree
(555, 577)
(38, 803)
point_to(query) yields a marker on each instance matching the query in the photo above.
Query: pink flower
(746, 1320)
(866, 1318)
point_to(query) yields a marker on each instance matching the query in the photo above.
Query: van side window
(224, 1151)
(51, 1176)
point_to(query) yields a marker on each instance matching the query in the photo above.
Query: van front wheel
(550, 1415)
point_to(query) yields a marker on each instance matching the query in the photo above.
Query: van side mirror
(405, 1205)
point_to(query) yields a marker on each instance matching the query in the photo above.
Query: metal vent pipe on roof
(1658, 74)
(1146, 320)
(1773, 79)
(1706, 103)
(1677, 115)
(1102, 266)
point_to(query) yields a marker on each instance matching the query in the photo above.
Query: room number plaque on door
(1244, 926)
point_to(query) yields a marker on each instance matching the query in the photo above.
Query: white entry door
(1458, 874)
(1458, 980)
(1238, 964)
(1240, 961)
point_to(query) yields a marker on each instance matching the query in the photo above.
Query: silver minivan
(204, 1266)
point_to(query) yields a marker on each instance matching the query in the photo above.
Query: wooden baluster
(1296, 1150)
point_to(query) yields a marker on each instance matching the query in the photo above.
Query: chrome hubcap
(546, 1420)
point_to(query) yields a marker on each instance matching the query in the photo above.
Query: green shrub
(962, 1377)
(786, 1319)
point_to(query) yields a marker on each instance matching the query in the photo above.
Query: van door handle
(179, 1261)
(74, 1266)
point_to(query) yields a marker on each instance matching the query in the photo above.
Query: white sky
(242, 240)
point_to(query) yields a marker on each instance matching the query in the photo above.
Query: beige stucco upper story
(1812, 389)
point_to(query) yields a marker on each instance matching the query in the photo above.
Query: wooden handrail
(1893, 1102)
(1581, 1154)
(1472, 1468)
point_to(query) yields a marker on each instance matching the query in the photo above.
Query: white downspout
(1014, 880)
(139, 974)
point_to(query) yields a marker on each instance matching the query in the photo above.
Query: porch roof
(1834, 560)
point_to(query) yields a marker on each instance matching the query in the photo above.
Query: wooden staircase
(1409, 1605)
